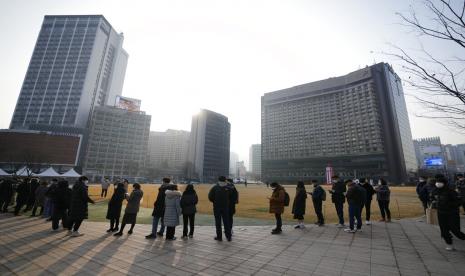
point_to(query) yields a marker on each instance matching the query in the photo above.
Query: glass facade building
(78, 63)
(357, 123)
(255, 160)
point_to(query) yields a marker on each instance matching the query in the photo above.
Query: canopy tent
(4, 173)
(50, 172)
(25, 171)
(71, 173)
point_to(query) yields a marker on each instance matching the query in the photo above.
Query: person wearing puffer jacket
(172, 211)
(189, 201)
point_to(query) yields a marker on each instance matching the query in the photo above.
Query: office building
(233, 159)
(255, 160)
(78, 63)
(429, 153)
(208, 155)
(241, 171)
(117, 145)
(168, 153)
(357, 123)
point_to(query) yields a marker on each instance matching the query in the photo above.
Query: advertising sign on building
(129, 104)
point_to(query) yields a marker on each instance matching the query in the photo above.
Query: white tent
(24, 171)
(71, 173)
(3, 173)
(50, 172)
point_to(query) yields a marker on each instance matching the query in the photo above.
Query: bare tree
(438, 80)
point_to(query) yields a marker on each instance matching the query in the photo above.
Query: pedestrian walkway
(406, 247)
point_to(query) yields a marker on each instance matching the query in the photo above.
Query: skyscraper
(208, 155)
(78, 63)
(357, 123)
(255, 160)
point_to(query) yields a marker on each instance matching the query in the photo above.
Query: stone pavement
(405, 247)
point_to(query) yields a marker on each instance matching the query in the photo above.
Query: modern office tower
(255, 160)
(454, 156)
(78, 64)
(241, 171)
(357, 123)
(117, 145)
(168, 153)
(233, 159)
(208, 155)
(429, 153)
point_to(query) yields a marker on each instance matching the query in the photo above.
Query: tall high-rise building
(78, 63)
(168, 152)
(208, 155)
(233, 159)
(255, 160)
(357, 123)
(117, 145)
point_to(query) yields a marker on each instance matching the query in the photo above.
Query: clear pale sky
(222, 55)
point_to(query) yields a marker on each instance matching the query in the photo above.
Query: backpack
(287, 199)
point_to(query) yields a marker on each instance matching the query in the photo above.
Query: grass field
(253, 203)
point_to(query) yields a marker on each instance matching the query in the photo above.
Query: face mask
(334, 181)
(422, 180)
(379, 182)
(439, 185)
(86, 182)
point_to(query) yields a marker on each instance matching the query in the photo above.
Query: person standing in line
(159, 211)
(422, 192)
(114, 207)
(461, 190)
(277, 202)
(354, 199)
(48, 205)
(219, 195)
(369, 197)
(363, 194)
(22, 195)
(172, 211)
(383, 195)
(447, 202)
(126, 184)
(78, 208)
(299, 204)
(61, 198)
(34, 184)
(318, 196)
(6, 192)
(105, 184)
(189, 201)
(337, 192)
(233, 200)
(40, 198)
(132, 208)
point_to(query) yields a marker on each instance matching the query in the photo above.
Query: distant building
(241, 171)
(117, 145)
(255, 160)
(233, 159)
(78, 64)
(455, 157)
(168, 153)
(429, 153)
(357, 123)
(208, 155)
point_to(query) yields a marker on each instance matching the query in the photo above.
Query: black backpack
(287, 199)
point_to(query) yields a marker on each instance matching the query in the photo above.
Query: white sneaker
(302, 226)
(76, 234)
(368, 222)
(340, 225)
(450, 248)
(348, 230)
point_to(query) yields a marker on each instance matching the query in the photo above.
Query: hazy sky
(221, 55)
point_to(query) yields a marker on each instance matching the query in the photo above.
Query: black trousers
(74, 224)
(4, 202)
(104, 193)
(188, 220)
(450, 222)
(279, 221)
(231, 221)
(318, 206)
(222, 215)
(367, 209)
(114, 223)
(19, 206)
(340, 211)
(170, 230)
(384, 208)
(57, 215)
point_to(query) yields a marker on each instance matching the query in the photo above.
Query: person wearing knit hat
(447, 203)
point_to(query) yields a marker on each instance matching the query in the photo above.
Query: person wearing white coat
(172, 211)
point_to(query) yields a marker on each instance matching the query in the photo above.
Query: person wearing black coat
(298, 206)
(159, 210)
(233, 200)
(60, 197)
(189, 200)
(355, 200)
(78, 209)
(114, 207)
(6, 191)
(370, 191)
(337, 192)
(23, 191)
(447, 202)
(318, 196)
(34, 184)
(219, 195)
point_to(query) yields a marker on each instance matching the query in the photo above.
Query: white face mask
(379, 182)
(422, 180)
(439, 185)
(86, 182)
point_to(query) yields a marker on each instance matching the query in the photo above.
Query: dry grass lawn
(253, 202)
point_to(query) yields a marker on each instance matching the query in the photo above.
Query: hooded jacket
(219, 195)
(79, 200)
(172, 208)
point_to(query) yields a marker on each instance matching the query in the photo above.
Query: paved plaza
(405, 247)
